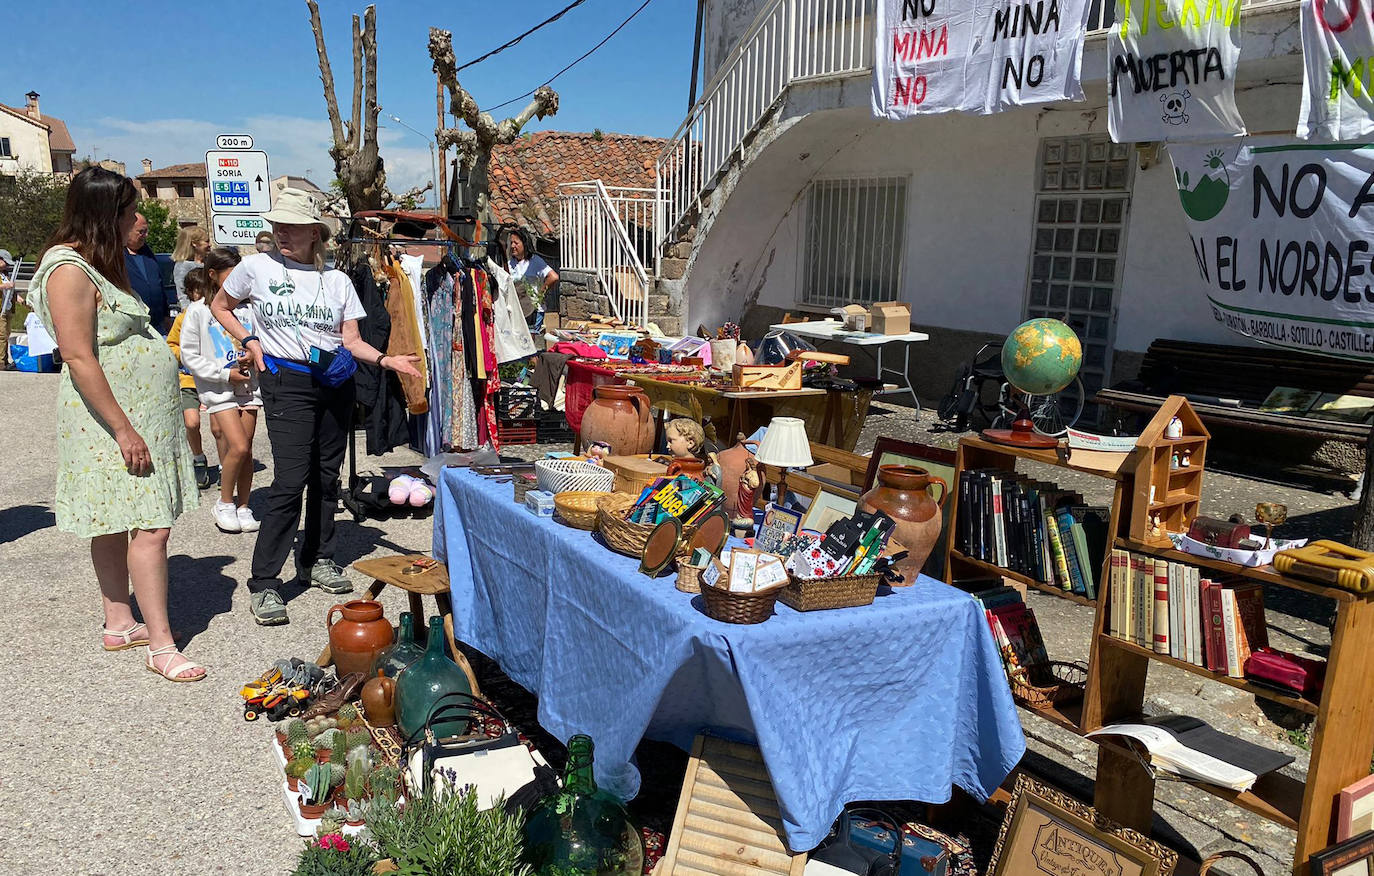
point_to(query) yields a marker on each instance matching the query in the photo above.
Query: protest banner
(1338, 53)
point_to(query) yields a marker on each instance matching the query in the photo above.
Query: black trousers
(307, 425)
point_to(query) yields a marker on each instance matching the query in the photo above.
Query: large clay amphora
(620, 416)
(903, 493)
(358, 636)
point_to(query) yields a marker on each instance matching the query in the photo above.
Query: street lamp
(433, 160)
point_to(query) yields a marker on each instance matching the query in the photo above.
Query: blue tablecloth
(899, 700)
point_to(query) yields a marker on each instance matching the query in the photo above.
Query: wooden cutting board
(727, 820)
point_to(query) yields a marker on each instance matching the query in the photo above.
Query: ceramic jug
(620, 416)
(379, 700)
(687, 465)
(358, 636)
(732, 463)
(903, 493)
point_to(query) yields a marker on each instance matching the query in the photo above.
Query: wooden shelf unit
(1343, 732)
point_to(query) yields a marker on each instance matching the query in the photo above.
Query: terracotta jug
(903, 493)
(379, 700)
(732, 464)
(620, 416)
(358, 636)
(687, 465)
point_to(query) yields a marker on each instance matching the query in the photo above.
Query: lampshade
(785, 444)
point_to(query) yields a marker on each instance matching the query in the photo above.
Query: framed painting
(1354, 857)
(939, 461)
(827, 507)
(1047, 831)
(1355, 809)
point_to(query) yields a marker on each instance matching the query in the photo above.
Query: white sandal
(126, 638)
(165, 672)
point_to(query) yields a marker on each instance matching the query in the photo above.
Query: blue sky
(159, 79)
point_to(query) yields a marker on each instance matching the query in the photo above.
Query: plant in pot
(355, 738)
(348, 717)
(295, 771)
(302, 751)
(332, 854)
(355, 779)
(383, 782)
(317, 790)
(292, 734)
(447, 835)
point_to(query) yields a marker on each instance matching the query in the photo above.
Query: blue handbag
(332, 368)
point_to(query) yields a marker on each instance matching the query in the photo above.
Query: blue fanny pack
(328, 368)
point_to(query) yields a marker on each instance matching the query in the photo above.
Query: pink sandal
(173, 655)
(127, 639)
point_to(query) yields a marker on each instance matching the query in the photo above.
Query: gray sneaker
(329, 577)
(268, 609)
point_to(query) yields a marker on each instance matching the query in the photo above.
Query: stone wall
(578, 297)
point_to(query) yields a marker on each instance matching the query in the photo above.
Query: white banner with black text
(1338, 54)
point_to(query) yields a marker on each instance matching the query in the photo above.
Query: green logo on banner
(1208, 196)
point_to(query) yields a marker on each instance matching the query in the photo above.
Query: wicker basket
(739, 608)
(1069, 681)
(622, 536)
(688, 577)
(577, 508)
(565, 475)
(815, 594)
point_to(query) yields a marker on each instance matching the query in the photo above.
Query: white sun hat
(297, 207)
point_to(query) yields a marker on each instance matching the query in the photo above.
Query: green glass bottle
(425, 681)
(392, 661)
(579, 830)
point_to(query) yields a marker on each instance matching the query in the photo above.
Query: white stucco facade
(28, 144)
(970, 199)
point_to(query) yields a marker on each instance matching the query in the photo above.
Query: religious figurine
(1156, 528)
(749, 483)
(1174, 460)
(1174, 429)
(714, 475)
(1185, 459)
(597, 452)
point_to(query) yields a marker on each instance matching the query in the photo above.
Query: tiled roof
(525, 175)
(59, 138)
(177, 171)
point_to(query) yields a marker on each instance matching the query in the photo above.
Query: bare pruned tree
(357, 162)
(475, 144)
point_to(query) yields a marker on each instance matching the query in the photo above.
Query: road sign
(236, 229)
(234, 141)
(239, 181)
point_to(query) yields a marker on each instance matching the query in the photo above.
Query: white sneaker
(247, 522)
(227, 517)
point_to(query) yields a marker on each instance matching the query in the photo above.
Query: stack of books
(1033, 528)
(1017, 635)
(1171, 609)
(682, 497)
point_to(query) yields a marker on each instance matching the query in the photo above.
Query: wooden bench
(1226, 386)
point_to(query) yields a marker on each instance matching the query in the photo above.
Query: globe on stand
(1039, 357)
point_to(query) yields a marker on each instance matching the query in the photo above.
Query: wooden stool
(431, 582)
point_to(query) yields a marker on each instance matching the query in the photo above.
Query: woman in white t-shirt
(305, 337)
(532, 276)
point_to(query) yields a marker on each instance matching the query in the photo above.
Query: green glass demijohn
(406, 651)
(424, 682)
(580, 831)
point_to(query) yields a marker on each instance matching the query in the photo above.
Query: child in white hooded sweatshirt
(228, 389)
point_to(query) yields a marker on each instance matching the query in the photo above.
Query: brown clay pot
(358, 636)
(687, 465)
(620, 416)
(379, 700)
(293, 783)
(903, 493)
(312, 810)
(732, 462)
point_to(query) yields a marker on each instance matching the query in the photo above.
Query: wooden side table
(386, 571)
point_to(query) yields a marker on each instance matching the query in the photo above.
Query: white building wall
(971, 194)
(28, 145)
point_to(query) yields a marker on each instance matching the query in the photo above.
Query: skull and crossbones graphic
(1174, 104)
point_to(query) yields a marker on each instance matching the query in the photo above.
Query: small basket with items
(565, 475)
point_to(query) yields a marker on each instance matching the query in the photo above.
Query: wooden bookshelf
(1343, 732)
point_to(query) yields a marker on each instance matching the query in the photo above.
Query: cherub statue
(685, 438)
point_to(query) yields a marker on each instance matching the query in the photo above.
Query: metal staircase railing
(605, 234)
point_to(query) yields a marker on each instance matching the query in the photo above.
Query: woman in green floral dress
(124, 469)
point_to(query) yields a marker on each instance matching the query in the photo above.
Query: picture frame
(939, 461)
(779, 524)
(826, 507)
(1355, 809)
(1046, 830)
(1354, 857)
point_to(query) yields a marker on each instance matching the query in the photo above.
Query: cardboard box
(891, 318)
(854, 316)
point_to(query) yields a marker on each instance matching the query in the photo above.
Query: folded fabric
(578, 348)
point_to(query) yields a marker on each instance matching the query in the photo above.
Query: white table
(833, 330)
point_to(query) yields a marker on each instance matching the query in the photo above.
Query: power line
(574, 63)
(499, 49)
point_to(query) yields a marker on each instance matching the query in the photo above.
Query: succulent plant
(357, 811)
(321, 750)
(296, 732)
(331, 723)
(338, 755)
(331, 738)
(361, 756)
(304, 748)
(296, 768)
(336, 774)
(355, 782)
(316, 783)
(314, 726)
(355, 738)
(382, 782)
(348, 715)
(332, 821)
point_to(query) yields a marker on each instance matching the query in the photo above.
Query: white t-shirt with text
(295, 306)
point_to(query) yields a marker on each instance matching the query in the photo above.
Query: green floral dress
(96, 494)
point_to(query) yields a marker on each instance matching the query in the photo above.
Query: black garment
(379, 391)
(307, 425)
(145, 277)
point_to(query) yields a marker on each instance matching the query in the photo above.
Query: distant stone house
(181, 188)
(32, 141)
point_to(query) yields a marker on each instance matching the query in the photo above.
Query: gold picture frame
(1046, 830)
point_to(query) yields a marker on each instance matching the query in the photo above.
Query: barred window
(855, 234)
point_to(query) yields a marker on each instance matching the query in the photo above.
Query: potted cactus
(304, 749)
(355, 738)
(383, 782)
(291, 733)
(348, 717)
(355, 775)
(325, 743)
(317, 790)
(295, 770)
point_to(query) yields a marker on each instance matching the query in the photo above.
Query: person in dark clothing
(146, 277)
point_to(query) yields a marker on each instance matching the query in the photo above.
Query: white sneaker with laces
(227, 517)
(247, 522)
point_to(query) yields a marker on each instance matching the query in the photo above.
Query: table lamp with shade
(785, 445)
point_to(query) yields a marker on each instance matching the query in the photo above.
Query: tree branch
(355, 128)
(326, 75)
(370, 82)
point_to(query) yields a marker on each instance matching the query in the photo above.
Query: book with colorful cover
(1064, 520)
(1061, 558)
(1023, 633)
(1160, 637)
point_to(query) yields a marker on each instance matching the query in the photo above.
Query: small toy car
(278, 702)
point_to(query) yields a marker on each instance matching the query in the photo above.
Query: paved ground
(111, 770)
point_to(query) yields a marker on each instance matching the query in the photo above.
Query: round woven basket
(577, 508)
(688, 577)
(566, 475)
(1069, 682)
(620, 535)
(739, 608)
